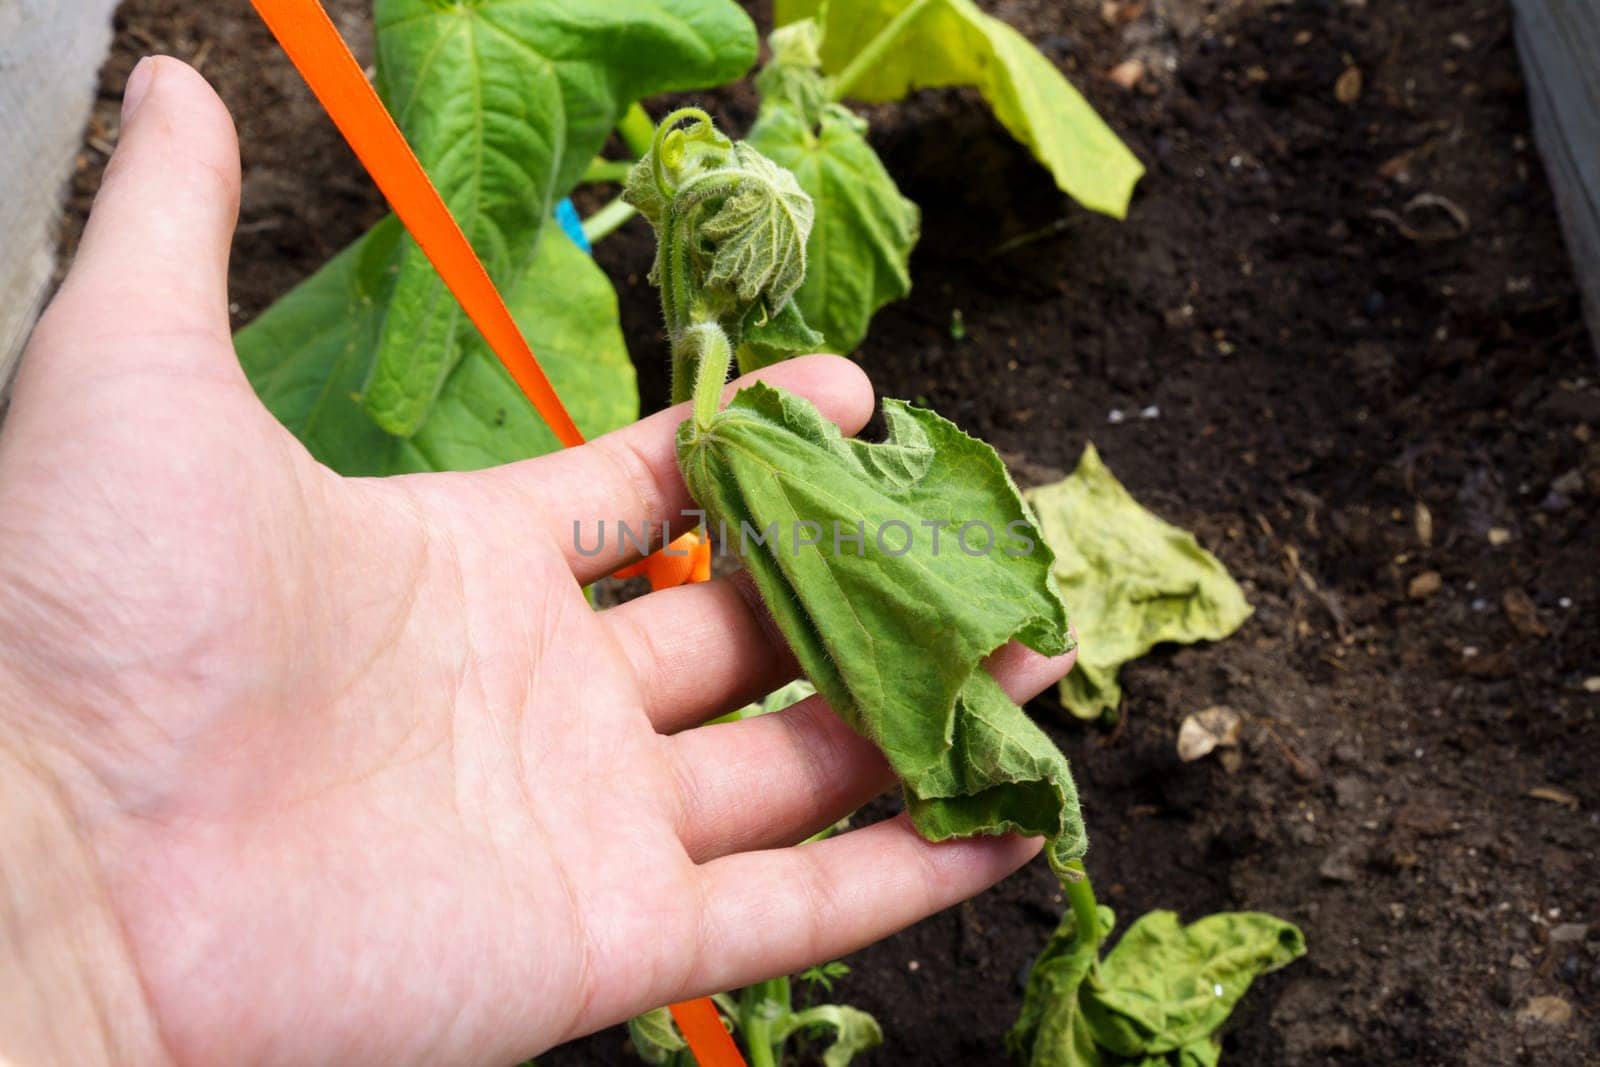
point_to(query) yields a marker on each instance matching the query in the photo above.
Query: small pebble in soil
(1424, 585)
(1568, 933)
(1550, 1011)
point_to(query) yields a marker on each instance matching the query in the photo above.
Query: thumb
(153, 263)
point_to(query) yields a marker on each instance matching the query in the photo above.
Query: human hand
(297, 768)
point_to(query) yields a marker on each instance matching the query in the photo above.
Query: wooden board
(1559, 41)
(50, 56)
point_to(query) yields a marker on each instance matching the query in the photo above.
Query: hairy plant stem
(870, 56)
(1085, 910)
(711, 357)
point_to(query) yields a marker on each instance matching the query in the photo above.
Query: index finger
(631, 475)
(780, 911)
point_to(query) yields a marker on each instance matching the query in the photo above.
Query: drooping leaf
(1051, 1030)
(1156, 1000)
(891, 628)
(1133, 581)
(953, 42)
(854, 1031)
(655, 1037)
(860, 248)
(776, 338)
(1166, 988)
(308, 354)
(505, 103)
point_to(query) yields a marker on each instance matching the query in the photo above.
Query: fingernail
(138, 85)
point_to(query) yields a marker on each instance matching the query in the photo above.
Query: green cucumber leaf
(782, 336)
(952, 42)
(1133, 581)
(858, 257)
(655, 1037)
(505, 104)
(1166, 988)
(308, 354)
(1156, 1000)
(854, 1031)
(1051, 1030)
(892, 631)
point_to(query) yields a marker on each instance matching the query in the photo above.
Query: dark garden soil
(1338, 338)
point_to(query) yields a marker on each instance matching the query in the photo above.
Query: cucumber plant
(893, 633)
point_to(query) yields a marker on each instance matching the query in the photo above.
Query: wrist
(72, 992)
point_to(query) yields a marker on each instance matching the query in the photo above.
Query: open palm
(351, 770)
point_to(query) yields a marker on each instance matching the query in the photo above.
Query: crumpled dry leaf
(1205, 731)
(1131, 580)
(970, 760)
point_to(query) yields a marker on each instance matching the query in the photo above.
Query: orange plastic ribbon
(308, 35)
(688, 559)
(313, 44)
(708, 1039)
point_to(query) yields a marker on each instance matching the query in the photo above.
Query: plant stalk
(756, 1016)
(608, 220)
(870, 56)
(713, 356)
(637, 131)
(1085, 910)
(602, 170)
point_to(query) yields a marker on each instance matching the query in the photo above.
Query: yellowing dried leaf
(1132, 580)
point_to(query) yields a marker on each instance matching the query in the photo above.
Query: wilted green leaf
(505, 104)
(952, 42)
(1133, 581)
(1168, 987)
(782, 336)
(307, 356)
(860, 247)
(1051, 1031)
(655, 1037)
(854, 1031)
(1156, 1000)
(892, 633)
